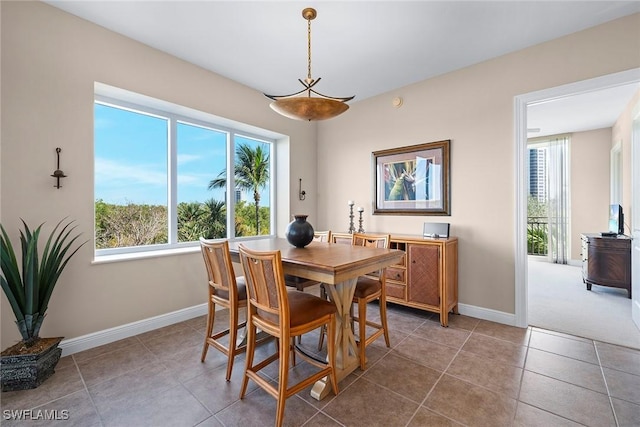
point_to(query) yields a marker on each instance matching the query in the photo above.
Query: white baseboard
(487, 314)
(96, 339)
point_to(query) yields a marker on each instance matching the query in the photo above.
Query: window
(164, 179)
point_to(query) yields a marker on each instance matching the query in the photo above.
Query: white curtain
(558, 187)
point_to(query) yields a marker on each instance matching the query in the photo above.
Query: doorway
(522, 102)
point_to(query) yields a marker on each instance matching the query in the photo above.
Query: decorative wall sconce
(57, 174)
(301, 193)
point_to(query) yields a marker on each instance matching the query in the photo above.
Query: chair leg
(323, 331)
(383, 318)
(362, 332)
(251, 347)
(300, 288)
(233, 333)
(283, 378)
(210, 318)
(323, 328)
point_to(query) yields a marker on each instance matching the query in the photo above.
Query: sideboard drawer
(396, 290)
(397, 274)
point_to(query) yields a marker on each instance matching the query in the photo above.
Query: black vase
(299, 232)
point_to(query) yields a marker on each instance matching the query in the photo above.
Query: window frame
(175, 114)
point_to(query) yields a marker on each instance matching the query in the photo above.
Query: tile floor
(475, 373)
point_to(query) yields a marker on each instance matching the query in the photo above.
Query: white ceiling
(361, 48)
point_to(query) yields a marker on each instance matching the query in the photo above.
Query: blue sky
(131, 159)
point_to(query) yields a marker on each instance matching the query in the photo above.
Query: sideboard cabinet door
(423, 283)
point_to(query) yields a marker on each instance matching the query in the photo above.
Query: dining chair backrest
(322, 236)
(266, 287)
(342, 238)
(371, 241)
(217, 259)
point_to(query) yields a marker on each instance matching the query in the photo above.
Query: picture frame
(412, 180)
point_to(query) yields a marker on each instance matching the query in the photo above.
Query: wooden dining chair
(284, 315)
(370, 288)
(226, 290)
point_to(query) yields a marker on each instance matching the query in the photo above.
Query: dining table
(338, 266)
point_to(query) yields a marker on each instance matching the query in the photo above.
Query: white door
(635, 220)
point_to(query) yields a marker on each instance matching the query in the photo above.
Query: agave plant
(29, 290)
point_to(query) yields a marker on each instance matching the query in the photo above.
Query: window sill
(133, 256)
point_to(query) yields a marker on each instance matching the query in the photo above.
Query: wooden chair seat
(303, 309)
(241, 290)
(366, 286)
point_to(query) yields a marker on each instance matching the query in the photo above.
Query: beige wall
(474, 108)
(50, 61)
(590, 172)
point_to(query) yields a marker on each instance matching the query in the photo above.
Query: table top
(325, 262)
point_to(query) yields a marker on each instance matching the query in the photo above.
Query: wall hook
(301, 193)
(57, 174)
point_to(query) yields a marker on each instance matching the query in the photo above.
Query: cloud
(183, 159)
(110, 173)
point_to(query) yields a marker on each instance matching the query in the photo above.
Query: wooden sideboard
(427, 276)
(606, 261)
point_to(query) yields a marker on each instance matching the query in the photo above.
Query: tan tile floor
(474, 373)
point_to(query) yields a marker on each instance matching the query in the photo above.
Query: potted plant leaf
(28, 284)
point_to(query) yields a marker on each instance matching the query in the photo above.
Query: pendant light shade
(308, 104)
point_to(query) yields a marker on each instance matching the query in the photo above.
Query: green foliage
(537, 240)
(536, 208)
(135, 225)
(130, 225)
(251, 173)
(246, 219)
(28, 285)
(537, 233)
(197, 220)
(138, 225)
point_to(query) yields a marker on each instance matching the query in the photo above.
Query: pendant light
(303, 105)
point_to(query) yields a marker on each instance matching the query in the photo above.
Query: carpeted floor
(559, 301)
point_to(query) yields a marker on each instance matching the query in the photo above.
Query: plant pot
(299, 232)
(23, 368)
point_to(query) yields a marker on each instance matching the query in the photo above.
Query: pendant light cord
(309, 79)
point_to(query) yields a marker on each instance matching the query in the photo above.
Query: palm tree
(251, 174)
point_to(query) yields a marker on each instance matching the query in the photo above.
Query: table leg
(347, 350)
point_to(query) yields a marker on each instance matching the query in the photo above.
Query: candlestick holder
(360, 227)
(352, 228)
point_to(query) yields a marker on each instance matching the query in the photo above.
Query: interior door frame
(635, 216)
(521, 102)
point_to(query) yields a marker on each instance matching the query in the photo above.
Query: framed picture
(412, 180)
